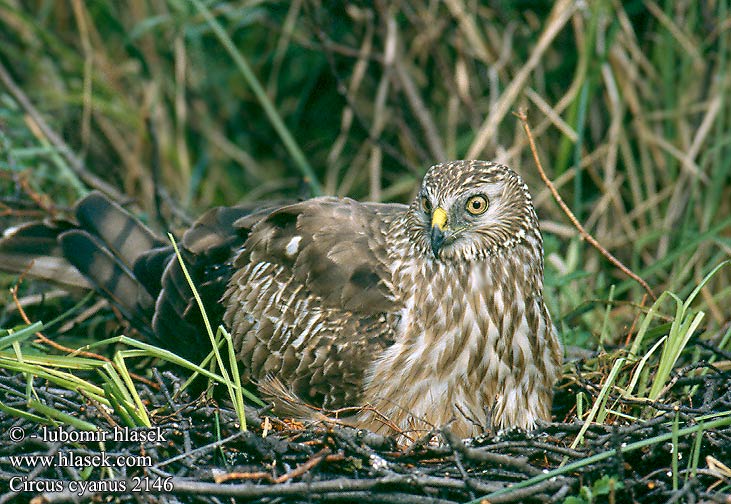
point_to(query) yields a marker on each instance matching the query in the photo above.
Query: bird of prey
(416, 316)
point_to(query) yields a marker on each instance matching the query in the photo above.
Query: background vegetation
(174, 106)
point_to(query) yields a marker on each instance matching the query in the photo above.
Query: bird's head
(469, 210)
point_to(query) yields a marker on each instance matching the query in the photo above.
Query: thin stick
(634, 322)
(584, 234)
(560, 15)
(41, 337)
(298, 471)
(46, 341)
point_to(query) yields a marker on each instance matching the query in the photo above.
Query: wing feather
(311, 302)
(335, 248)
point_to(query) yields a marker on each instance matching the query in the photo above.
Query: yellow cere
(439, 218)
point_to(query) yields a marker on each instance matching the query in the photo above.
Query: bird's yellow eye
(477, 205)
(425, 204)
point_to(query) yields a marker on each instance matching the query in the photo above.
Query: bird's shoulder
(337, 249)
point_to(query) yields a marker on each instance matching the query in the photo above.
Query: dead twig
(323, 455)
(634, 322)
(47, 341)
(584, 234)
(482, 455)
(41, 200)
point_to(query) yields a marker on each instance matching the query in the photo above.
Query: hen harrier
(423, 314)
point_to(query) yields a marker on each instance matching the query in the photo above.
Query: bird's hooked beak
(438, 223)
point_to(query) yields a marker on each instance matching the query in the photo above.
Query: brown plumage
(423, 315)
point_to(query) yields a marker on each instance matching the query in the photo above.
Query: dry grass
(627, 101)
(180, 105)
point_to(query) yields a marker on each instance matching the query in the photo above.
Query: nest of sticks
(674, 453)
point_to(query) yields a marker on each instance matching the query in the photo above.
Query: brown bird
(421, 315)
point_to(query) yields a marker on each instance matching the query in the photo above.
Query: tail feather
(34, 249)
(109, 275)
(126, 236)
(111, 251)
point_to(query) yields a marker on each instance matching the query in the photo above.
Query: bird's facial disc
(469, 210)
(458, 223)
(451, 219)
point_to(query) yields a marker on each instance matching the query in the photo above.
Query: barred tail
(109, 250)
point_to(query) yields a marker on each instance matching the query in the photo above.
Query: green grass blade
(20, 335)
(272, 114)
(60, 416)
(574, 466)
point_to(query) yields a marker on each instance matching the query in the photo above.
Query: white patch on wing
(292, 246)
